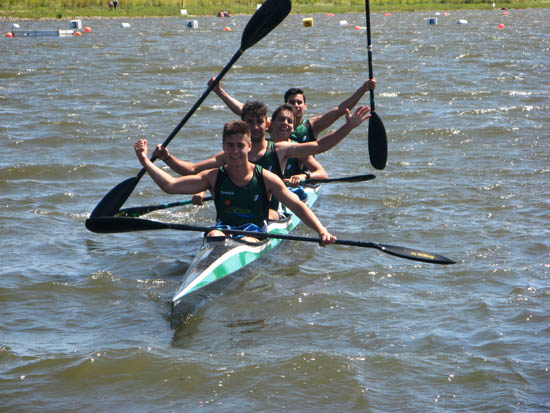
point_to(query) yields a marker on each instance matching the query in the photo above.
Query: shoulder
(209, 175)
(304, 132)
(283, 145)
(269, 176)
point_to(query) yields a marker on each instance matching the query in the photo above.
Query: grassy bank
(36, 9)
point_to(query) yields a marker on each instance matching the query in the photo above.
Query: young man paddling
(270, 155)
(240, 188)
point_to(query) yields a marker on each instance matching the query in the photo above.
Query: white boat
(219, 261)
(42, 33)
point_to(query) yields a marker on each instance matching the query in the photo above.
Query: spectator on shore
(115, 3)
(110, 5)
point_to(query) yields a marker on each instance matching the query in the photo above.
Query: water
(85, 316)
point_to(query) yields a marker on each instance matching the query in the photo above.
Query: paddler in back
(268, 154)
(305, 130)
(241, 189)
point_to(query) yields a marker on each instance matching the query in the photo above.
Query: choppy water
(84, 321)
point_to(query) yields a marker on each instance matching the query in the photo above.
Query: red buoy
(87, 29)
(77, 33)
(9, 34)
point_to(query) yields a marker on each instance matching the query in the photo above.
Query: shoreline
(298, 9)
(81, 17)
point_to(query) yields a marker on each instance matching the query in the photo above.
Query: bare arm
(188, 168)
(316, 172)
(183, 185)
(281, 192)
(301, 150)
(322, 122)
(177, 165)
(232, 103)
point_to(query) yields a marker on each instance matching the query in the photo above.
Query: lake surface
(85, 317)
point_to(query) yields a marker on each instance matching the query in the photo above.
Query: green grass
(36, 9)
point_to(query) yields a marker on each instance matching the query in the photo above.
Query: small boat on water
(42, 33)
(217, 264)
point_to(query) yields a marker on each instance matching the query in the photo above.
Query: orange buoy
(9, 34)
(387, 14)
(227, 28)
(506, 13)
(356, 28)
(500, 26)
(77, 33)
(446, 13)
(87, 29)
(330, 14)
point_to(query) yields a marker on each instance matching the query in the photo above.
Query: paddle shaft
(196, 106)
(369, 52)
(138, 211)
(116, 224)
(264, 20)
(378, 141)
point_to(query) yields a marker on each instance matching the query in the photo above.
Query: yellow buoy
(307, 22)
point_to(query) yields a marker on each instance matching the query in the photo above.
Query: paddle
(138, 211)
(266, 18)
(119, 224)
(378, 141)
(356, 178)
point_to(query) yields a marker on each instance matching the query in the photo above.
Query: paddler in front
(241, 189)
(269, 154)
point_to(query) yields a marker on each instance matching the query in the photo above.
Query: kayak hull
(219, 262)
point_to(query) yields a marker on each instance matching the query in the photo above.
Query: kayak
(220, 259)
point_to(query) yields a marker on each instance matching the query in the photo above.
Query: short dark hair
(294, 91)
(287, 107)
(236, 127)
(254, 108)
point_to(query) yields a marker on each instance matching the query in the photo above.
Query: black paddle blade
(378, 142)
(414, 255)
(111, 203)
(266, 18)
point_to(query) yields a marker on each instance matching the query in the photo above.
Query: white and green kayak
(219, 260)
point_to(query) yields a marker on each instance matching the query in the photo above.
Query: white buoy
(76, 24)
(343, 22)
(125, 25)
(462, 21)
(183, 12)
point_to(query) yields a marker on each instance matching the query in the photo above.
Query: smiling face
(236, 148)
(257, 126)
(298, 102)
(254, 113)
(282, 125)
(236, 142)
